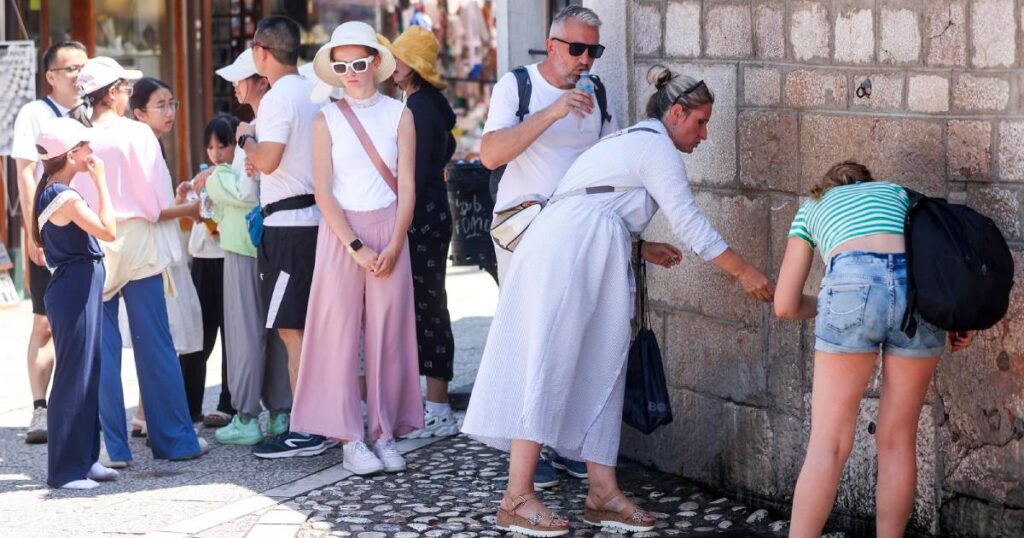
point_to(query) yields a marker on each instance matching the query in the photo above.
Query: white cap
(58, 136)
(242, 68)
(102, 71)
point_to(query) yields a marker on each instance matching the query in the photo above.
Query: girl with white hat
(360, 145)
(136, 268)
(67, 229)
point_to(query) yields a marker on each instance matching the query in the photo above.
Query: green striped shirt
(851, 211)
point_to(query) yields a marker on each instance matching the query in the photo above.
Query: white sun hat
(353, 33)
(242, 68)
(102, 71)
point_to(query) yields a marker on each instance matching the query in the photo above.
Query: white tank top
(358, 186)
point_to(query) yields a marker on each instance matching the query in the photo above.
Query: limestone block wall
(942, 110)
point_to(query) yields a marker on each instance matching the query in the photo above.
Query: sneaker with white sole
(289, 445)
(439, 425)
(37, 428)
(387, 453)
(360, 460)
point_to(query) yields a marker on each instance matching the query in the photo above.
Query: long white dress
(553, 369)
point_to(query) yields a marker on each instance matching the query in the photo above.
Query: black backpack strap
(525, 91)
(53, 107)
(909, 323)
(602, 98)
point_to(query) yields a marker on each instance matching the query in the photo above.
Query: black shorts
(285, 262)
(39, 279)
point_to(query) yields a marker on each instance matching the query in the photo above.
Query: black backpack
(525, 92)
(959, 269)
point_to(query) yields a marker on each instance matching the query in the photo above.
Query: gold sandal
(538, 525)
(629, 519)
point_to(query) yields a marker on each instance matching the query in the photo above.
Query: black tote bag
(646, 404)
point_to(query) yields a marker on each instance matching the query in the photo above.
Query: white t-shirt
(26, 129)
(358, 186)
(539, 168)
(286, 116)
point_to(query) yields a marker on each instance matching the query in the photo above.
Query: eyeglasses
(357, 66)
(126, 87)
(69, 70)
(166, 108)
(576, 49)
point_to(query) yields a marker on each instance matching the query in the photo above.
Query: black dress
(431, 231)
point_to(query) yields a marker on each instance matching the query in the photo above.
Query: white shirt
(286, 116)
(538, 169)
(26, 129)
(358, 186)
(650, 161)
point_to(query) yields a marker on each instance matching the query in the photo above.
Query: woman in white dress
(553, 370)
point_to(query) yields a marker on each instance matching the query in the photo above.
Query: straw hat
(418, 48)
(352, 33)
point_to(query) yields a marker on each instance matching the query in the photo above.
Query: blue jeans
(160, 382)
(861, 304)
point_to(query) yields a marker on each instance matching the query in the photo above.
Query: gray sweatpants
(257, 358)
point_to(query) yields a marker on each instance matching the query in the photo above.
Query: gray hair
(580, 13)
(669, 90)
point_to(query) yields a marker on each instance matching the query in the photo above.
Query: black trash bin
(472, 207)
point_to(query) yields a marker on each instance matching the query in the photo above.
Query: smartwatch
(355, 245)
(242, 139)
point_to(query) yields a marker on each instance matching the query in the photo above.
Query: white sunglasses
(357, 66)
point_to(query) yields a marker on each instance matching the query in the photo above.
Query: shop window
(133, 32)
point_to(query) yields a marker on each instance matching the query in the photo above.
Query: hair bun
(659, 76)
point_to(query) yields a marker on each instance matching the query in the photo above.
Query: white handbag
(511, 222)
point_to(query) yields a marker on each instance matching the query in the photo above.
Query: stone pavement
(451, 488)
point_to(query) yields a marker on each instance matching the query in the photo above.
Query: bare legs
(292, 339)
(521, 463)
(40, 357)
(437, 390)
(839, 384)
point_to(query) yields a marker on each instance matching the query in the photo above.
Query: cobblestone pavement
(452, 489)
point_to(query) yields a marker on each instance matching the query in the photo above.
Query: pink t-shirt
(135, 168)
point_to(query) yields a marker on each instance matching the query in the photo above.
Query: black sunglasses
(255, 44)
(576, 49)
(692, 89)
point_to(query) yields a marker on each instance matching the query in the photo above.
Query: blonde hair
(669, 89)
(844, 173)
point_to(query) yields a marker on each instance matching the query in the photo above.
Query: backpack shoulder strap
(53, 107)
(602, 98)
(909, 323)
(525, 91)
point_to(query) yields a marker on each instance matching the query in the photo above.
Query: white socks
(100, 473)
(80, 484)
(434, 408)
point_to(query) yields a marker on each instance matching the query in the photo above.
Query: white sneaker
(37, 428)
(105, 457)
(360, 460)
(441, 425)
(388, 454)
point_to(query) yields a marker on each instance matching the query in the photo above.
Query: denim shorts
(861, 304)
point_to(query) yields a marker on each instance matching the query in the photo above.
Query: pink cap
(58, 136)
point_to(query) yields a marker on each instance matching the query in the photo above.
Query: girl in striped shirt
(857, 225)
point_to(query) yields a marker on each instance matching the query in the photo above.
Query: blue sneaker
(544, 474)
(576, 469)
(289, 445)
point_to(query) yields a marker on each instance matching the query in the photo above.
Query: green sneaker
(278, 424)
(240, 432)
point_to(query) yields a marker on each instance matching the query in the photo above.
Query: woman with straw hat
(363, 159)
(416, 74)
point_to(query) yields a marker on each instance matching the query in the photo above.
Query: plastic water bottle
(205, 203)
(586, 84)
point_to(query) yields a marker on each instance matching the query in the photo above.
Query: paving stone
(809, 30)
(855, 36)
(682, 29)
(815, 88)
(928, 93)
(947, 32)
(900, 40)
(728, 31)
(974, 94)
(646, 29)
(993, 31)
(969, 146)
(886, 91)
(1011, 150)
(769, 30)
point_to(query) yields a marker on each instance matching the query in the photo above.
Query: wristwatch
(242, 139)
(355, 245)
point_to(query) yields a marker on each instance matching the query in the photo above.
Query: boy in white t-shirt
(61, 65)
(538, 149)
(562, 122)
(280, 148)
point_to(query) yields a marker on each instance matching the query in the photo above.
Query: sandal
(628, 519)
(537, 525)
(139, 428)
(216, 419)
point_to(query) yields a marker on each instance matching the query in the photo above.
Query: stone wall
(945, 115)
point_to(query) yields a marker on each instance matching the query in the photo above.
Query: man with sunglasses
(280, 149)
(61, 65)
(537, 149)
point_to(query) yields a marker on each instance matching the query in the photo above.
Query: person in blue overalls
(67, 228)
